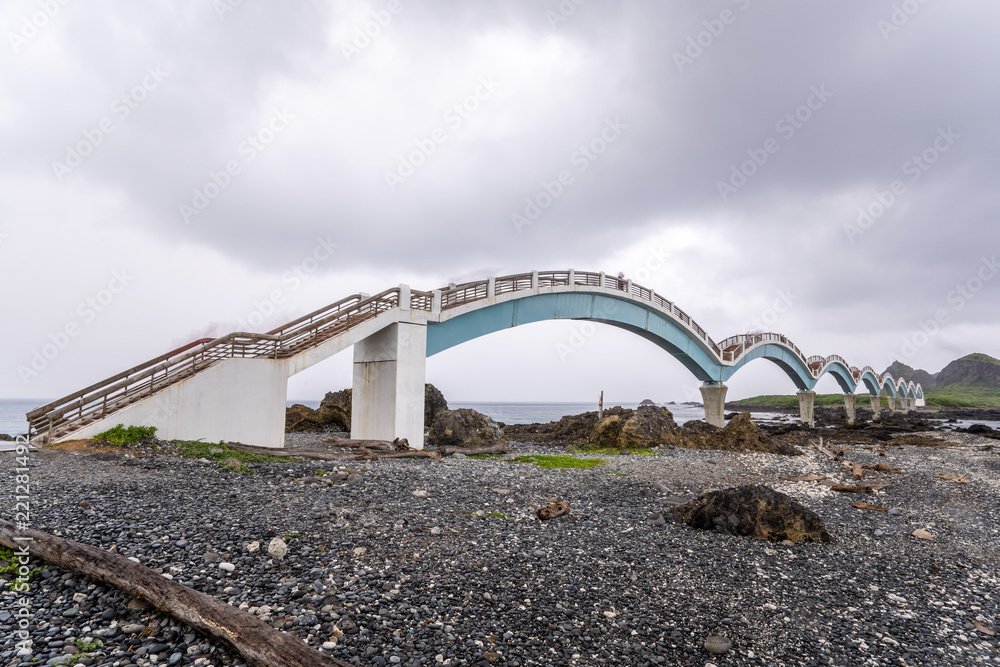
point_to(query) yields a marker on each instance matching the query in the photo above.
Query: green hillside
(979, 356)
(961, 395)
(952, 396)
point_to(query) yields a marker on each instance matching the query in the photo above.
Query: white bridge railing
(99, 400)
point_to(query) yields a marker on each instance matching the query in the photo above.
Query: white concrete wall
(240, 400)
(387, 401)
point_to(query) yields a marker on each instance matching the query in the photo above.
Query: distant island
(972, 381)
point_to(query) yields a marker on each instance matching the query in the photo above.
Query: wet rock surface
(377, 575)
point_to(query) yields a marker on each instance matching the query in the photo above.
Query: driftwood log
(254, 639)
(485, 449)
(362, 454)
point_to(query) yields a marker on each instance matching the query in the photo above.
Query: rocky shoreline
(418, 562)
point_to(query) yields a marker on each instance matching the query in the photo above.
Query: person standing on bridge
(621, 280)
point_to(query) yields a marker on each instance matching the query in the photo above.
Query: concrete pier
(388, 397)
(713, 395)
(892, 404)
(876, 408)
(807, 400)
(849, 406)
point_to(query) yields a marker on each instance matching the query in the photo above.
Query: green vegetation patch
(485, 456)
(543, 461)
(962, 395)
(497, 515)
(220, 451)
(121, 435)
(615, 451)
(979, 356)
(11, 568)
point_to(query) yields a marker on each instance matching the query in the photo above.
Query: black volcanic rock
(754, 511)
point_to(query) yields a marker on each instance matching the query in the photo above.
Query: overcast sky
(167, 168)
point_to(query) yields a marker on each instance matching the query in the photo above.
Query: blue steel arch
(634, 316)
(842, 374)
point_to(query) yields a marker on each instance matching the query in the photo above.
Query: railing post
(404, 297)
(628, 287)
(491, 287)
(601, 279)
(534, 280)
(436, 301)
(572, 277)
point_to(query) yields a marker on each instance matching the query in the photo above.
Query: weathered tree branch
(255, 640)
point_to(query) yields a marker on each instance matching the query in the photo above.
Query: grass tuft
(219, 451)
(543, 461)
(121, 435)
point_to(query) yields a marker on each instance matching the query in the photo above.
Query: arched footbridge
(234, 387)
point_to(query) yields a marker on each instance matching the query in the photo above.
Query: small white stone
(277, 549)
(253, 547)
(227, 567)
(329, 646)
(420, 493)
(360, 550)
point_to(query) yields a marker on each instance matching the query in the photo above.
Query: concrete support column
(436, 301)
(572, 277)
(713, 395)
(919, 402)
(389, 373)
(849, 403)
(892, 404)
(491, 287)
(404, 297)
(876, 408)
(807, 399)
(534, 280)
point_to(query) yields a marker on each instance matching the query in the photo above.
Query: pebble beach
(420, 562)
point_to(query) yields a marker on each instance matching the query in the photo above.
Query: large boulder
(433, 404)
(607, 432)
(335, 409)
(741, 434)
(302, 419)
(464, 427)
(754, 511)
(334, 412)
(647, 426)
(569, 430)
(651, 425)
